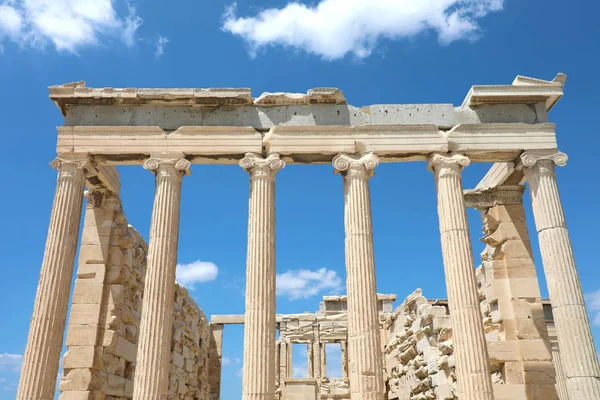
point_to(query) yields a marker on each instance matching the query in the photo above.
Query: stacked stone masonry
(103, 329)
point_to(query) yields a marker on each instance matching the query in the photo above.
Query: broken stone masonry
(133, 333)
(103, 327)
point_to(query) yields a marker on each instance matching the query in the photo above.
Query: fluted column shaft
(258, 381)
(46, 331)
(364, 339)
(470, 348)
(561, 385)
(578, 354)
(154, 346)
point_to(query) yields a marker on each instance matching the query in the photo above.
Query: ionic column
(578, 354)
(364, 339)
(561, 385)
(470, 348)
(154, 345)
(258, 380)
(45, 340)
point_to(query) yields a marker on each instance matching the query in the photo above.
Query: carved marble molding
(356, 165)
(168, 164)
(447, 162)
(499, 195)
(259, 166)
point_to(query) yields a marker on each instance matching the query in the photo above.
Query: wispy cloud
(68, 24)
(333, 28)
(161, 42)
(304, 283)
(593, 304)
(197, 272)
(11, 362)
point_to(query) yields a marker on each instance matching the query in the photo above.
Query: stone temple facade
(133, 333)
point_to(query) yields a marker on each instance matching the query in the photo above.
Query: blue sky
(408, 51)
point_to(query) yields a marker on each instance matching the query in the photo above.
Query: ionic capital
(72, 164)
(164, 165)
(258, 166)
(530, 159)
(355, 165)
(447, 163)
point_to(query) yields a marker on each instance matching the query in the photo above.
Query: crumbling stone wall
(102, 333)
(419, 356)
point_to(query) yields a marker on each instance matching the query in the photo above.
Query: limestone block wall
(102, 332)
(419, 357)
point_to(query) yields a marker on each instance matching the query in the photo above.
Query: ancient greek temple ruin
(133, 333)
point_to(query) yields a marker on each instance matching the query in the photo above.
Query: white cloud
(334, 28)
(11, 21)
(197, 272)
(67, 24)
(593, 304)
(304, 283)
(11, 362)
(160, 46)
(237, 361)
(226, 361)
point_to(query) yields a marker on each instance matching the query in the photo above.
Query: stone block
(113, 364)
(129, 388)
(536, 350)
(513, 372)
(542, 391)
(82, 335)
(507, 213)
(178, 359)
(116, 294)
(80, 379)
(84, 314)
(87, 292)
(525, 288)
(91, 271)
(528, 308)
(126, 349)
(91, 254)
(531, 328)
(114, 385)
(514, 249)
(94, 235)
(539, 372)
(503, 351)
(82, 395)
(514, 268)
(83, 357)
(510, 392)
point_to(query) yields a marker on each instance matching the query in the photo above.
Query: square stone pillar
(515, 326)
(215, 360)
(83, 361)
